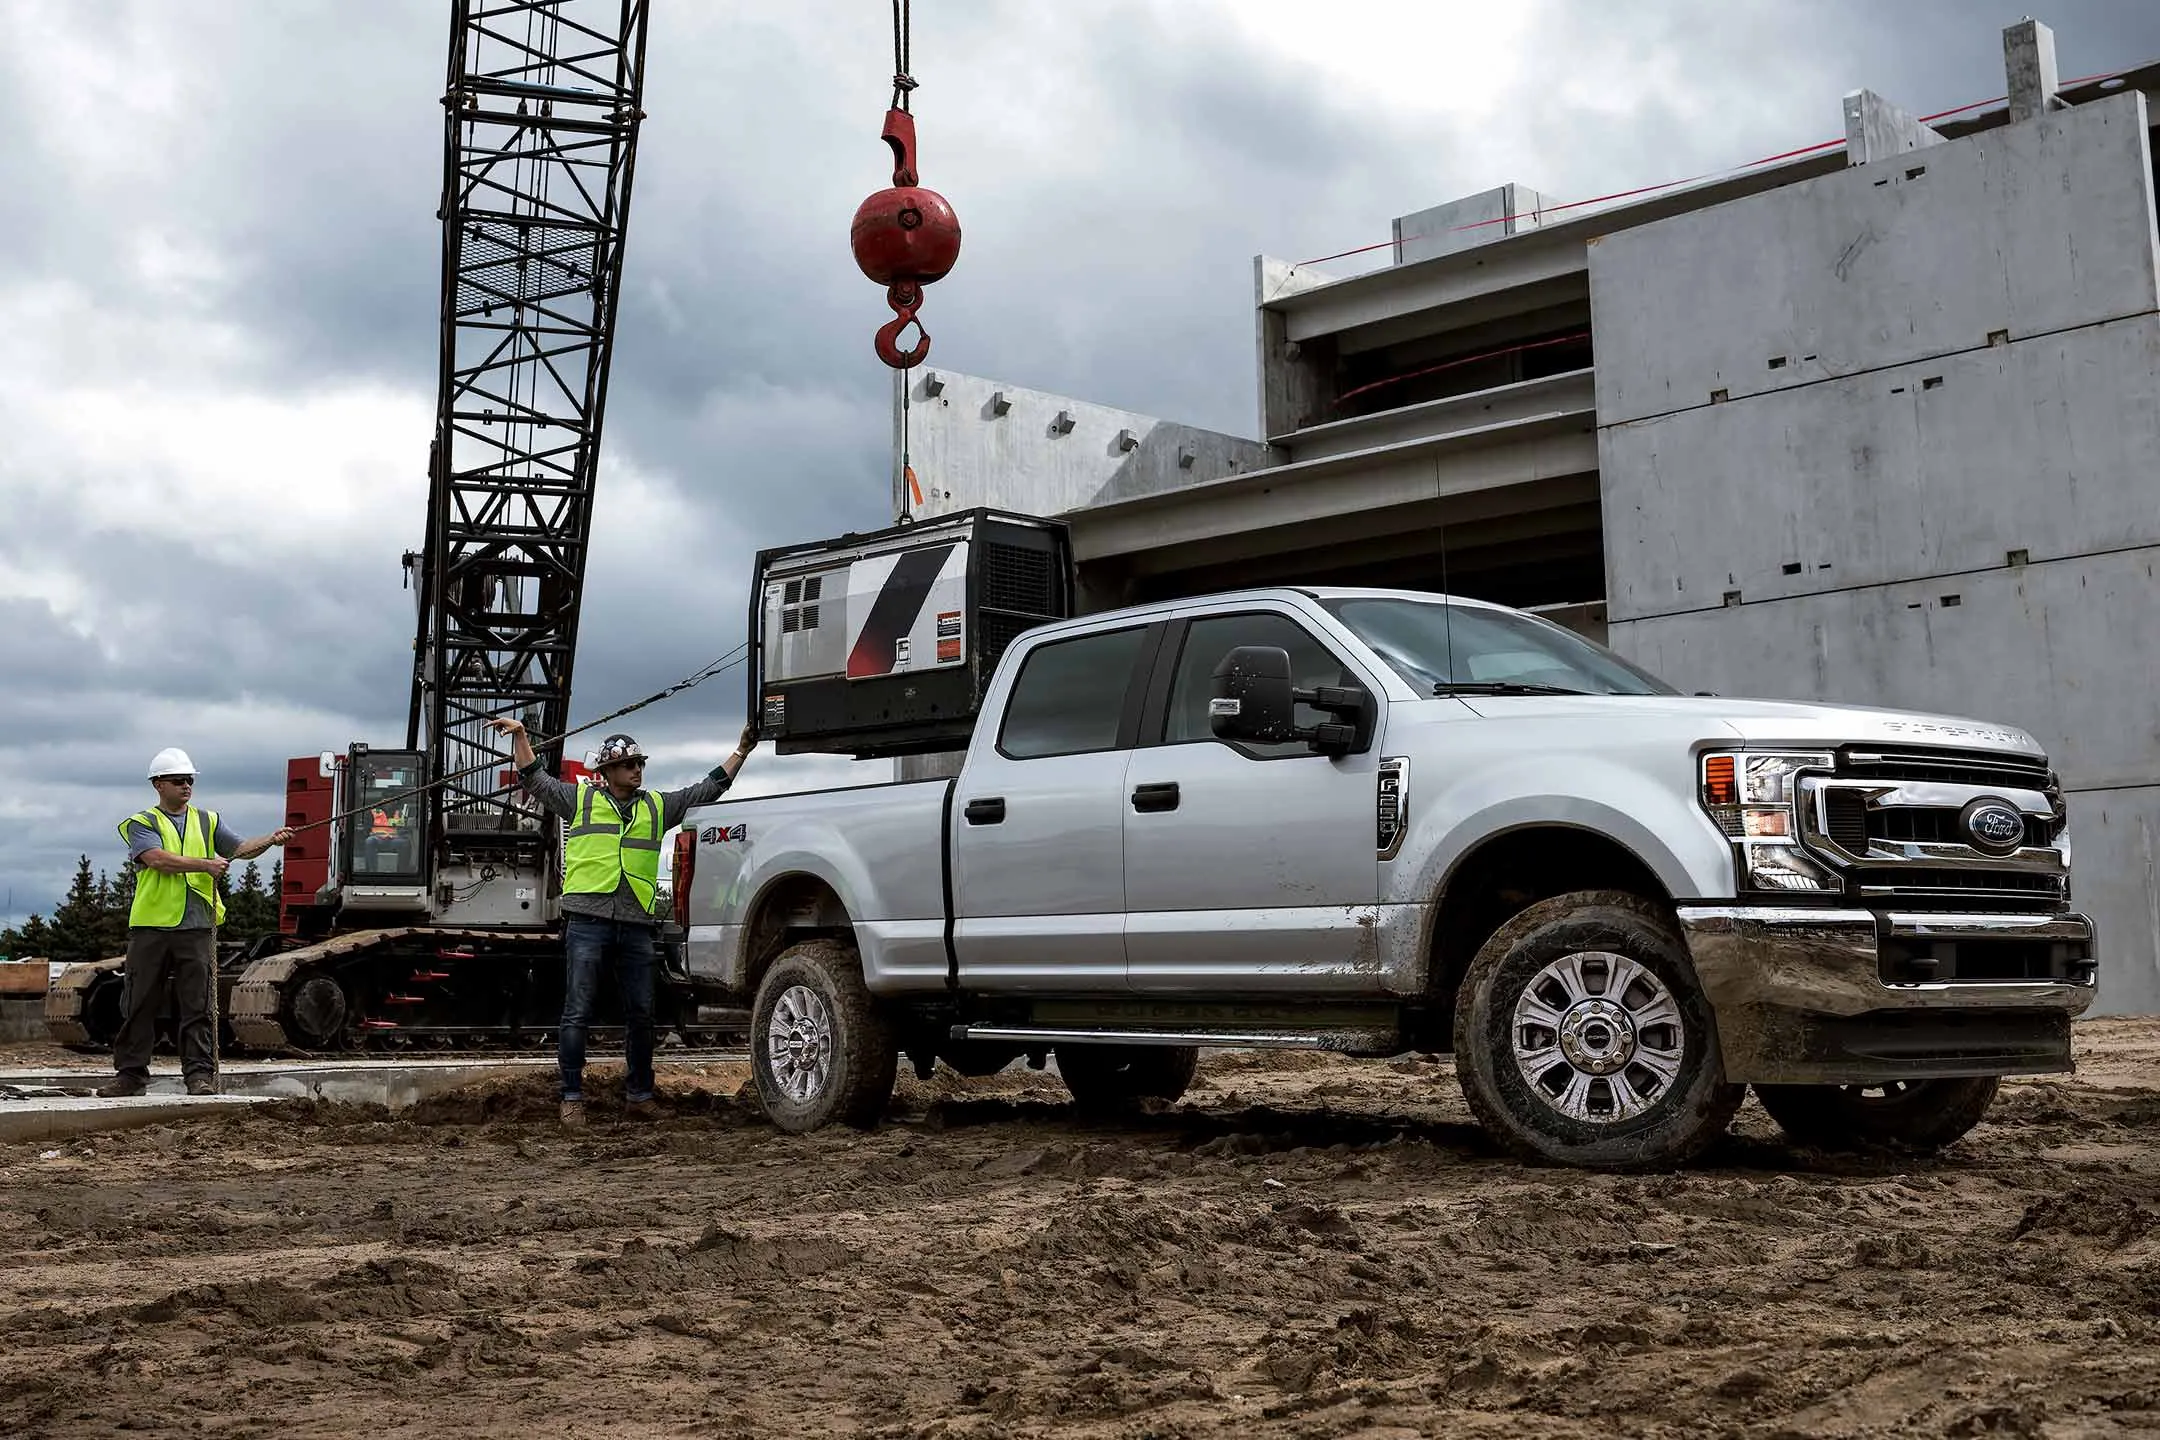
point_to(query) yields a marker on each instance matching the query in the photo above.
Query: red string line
(1464, 360)
(1819, 145)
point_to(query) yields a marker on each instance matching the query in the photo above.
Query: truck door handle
(986, 812)
(1161, 796)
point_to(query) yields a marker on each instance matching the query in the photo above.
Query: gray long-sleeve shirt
(559, 797)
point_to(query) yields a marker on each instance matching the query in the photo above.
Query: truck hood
(1773, 722)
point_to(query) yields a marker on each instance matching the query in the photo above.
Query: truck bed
(881, 845)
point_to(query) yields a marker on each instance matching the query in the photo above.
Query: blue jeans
(587, 944)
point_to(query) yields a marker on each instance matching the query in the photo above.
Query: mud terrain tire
(1518, 975)
(821, 1049)
(1917, 1114)
(1105, 1078)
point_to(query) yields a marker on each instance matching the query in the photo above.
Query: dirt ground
(1307, 1247)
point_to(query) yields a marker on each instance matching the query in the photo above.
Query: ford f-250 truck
(1378, 822)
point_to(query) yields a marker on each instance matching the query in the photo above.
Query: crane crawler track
(67, 1018)
(257, 1008)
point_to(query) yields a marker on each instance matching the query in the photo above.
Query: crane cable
(903, 45)
(719, 666)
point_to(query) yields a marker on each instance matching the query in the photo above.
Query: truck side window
(1070, 695)
(1208, 640)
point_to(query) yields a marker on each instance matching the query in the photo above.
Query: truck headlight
(1753, 797)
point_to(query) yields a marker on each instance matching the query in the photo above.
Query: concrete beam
(1543, 509)
(1445, 281)
(1572, 393)
(1355, 485)
(2029, 65)
(1503, 527)
(1500, 317)
(1875, 129)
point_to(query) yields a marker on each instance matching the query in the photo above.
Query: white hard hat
(171, 761)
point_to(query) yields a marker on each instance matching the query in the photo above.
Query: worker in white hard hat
(611, 874)
(179, 854)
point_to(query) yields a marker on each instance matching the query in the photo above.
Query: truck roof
(1270, 592)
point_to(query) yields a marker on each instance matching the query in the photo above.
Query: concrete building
(1878, 424)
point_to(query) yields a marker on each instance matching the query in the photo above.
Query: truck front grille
(1891, 822)
(1950, 767)
(1851, 825)
(1923, 887)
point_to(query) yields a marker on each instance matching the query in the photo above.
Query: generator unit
(882, 644)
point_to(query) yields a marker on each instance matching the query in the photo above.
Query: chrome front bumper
(1808, 996)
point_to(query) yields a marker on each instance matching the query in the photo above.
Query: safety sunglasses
(177, 779)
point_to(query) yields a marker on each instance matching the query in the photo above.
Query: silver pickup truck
(1377, 822)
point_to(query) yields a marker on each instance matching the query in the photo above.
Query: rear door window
(1070, 696)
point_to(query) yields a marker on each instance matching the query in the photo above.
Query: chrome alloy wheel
(1598, 1037)
(799, 1041)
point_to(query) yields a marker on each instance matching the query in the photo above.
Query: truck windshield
(1438, 647)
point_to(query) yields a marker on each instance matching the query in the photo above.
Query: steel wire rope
(719, 666)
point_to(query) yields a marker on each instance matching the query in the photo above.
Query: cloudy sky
(218, 289)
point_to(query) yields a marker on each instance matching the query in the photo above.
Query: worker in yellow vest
(180, 853)
(611, 874)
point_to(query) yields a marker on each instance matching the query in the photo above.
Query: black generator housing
(883, 643)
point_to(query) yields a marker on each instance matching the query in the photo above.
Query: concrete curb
(59, 1117)
(60, 1103)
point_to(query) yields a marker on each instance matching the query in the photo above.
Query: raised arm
(558, 796)
(674, 804)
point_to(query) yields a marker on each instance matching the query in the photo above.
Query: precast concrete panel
(2025, 229)
(2068, 651)
(974, 441)
(2115, 878)
(2045, 446)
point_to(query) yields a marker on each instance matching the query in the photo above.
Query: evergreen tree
(249, 912)
(77, 923)
(116, 898)
(32, 938)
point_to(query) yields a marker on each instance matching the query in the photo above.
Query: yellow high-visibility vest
(601, 852)
(161, 899)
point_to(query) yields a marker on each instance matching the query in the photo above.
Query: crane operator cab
(460, 850)
(383, 844)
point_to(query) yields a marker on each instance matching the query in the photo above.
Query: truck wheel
(1918, 1114)
(819, 1046)
(1111, 1077)
(1582, 1037)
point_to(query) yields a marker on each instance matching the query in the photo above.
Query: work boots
(121, 1087)
(573, 1114)
(647, 1110)
(202, 1085)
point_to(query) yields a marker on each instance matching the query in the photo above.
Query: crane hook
(905, 298)
(904, 238)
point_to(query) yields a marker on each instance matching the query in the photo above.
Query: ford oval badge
(1995, 826)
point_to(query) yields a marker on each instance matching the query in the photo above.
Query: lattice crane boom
(542, 108)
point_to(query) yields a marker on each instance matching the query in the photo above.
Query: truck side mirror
(1252, 698)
